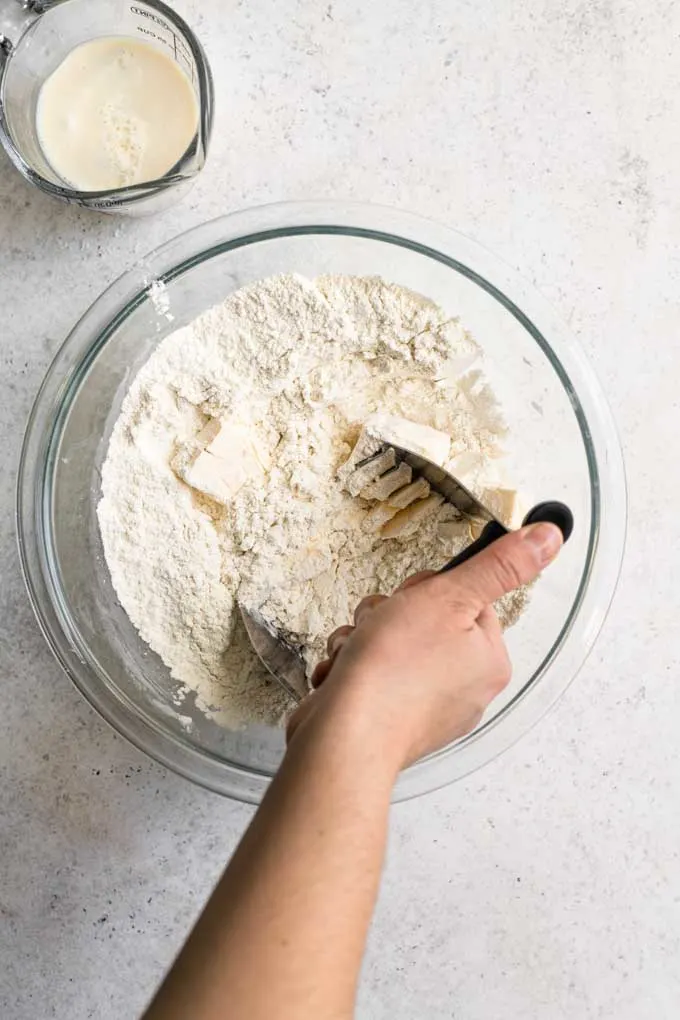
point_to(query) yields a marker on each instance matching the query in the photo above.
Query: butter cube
(232, 454)
(503, 504)
(423, 440)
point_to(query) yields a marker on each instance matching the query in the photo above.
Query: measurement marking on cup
(180, 50)
(152, 17)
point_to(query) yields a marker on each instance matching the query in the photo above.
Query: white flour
(305, 362)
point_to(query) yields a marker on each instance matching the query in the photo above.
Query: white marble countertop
(546, 886)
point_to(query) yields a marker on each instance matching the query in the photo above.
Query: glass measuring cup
(50, 29)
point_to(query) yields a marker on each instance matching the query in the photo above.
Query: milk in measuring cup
(115, 113)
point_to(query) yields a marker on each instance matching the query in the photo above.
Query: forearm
(284, 932)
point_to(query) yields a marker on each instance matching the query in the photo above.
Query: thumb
(506, 564)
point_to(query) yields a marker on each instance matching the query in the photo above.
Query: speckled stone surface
(546, 886)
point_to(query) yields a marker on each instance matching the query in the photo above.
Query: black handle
(492, 531)
(551, 512)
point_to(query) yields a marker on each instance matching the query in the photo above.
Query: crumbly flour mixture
(221, 479)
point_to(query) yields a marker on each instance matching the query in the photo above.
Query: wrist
(348, 726)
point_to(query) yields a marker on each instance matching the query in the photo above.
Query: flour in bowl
(221, 480)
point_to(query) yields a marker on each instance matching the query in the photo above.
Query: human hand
(418, 668)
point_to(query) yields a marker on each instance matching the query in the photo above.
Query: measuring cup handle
(38, 6)
(16, 20)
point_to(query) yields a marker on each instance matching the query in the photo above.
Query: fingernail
(546, 538)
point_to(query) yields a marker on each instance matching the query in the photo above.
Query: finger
(366, 606)
(296, 719)
(423, 575)
(506, 564)
(321, 671)
(337, 640)
(488, 621)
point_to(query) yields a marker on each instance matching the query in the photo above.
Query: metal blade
(446, 485)
(276, 654)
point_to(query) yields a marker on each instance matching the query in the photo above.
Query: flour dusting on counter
(221, 479)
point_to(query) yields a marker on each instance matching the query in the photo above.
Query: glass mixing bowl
(564, 447)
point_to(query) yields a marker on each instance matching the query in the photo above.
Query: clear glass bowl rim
(450, 247)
